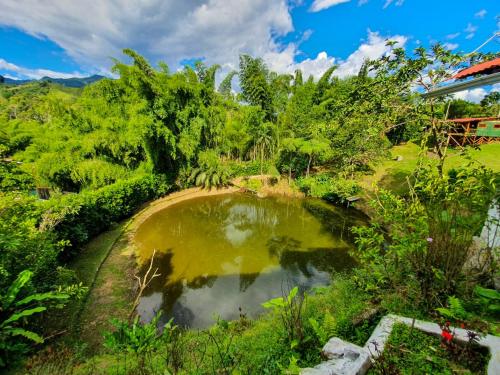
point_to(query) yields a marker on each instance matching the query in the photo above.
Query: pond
(223, 255)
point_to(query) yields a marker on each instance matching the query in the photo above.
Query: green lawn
(392, 174)
(95, 252)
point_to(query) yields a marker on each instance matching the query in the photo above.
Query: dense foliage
(101, 151)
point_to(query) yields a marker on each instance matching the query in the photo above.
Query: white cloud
(452, 36)
(473, 95)
(470, 30)
(373, 48)
(21, 72)
(92, 31)
(481, 13)
(476, 95)
(284, 62)
(319, 5)
(450, 46)
(218, 31)
(398, 3)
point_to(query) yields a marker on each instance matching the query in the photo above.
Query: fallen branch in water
(143, 284)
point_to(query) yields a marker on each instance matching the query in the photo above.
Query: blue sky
(339, 29)
(65, 38)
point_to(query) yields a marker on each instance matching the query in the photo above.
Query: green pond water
(218, 254)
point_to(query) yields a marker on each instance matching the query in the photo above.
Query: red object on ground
(487, 67)
(447, 336)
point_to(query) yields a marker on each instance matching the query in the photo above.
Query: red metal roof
(483, 68)
(473, 119)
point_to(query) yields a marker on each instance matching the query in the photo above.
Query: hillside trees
(153, 120)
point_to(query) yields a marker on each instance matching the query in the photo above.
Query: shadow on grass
(396, 181)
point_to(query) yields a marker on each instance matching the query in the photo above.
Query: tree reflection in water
(219, 253)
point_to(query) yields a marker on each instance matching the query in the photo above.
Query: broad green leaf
(22, 314)
(445, 312)
(275, 302)
(28, 334)
(494, 308)
(42, 297)
(16, 286)
(487, 293)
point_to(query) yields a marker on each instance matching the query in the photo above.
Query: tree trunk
(261, 159)
(309, 165)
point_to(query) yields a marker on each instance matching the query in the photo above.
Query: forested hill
(68, 82)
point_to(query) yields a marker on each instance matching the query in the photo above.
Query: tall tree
(255, 87)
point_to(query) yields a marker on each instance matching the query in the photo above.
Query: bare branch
(143, 284)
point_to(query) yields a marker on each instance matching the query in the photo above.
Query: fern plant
(455, 310)
(14, 314)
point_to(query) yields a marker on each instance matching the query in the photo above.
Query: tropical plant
(455, 310)
(489, 299)
(138, 339)
(210, 173)
(335, 189)
(15, 312)
(255, 87)
(263, 143)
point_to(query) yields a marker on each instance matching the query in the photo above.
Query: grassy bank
(261, 346)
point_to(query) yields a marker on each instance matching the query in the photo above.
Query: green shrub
(96, 173)
(39, 234)
(410, 351)
(23, 245)
(422, 243)
(77, 218)
(140, 340)
(333, 189)
(251, 168)
(252, 184)
(12, 178)
(336, 309)
(210, 172)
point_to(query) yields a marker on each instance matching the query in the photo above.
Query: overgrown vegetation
(104, 150)
(417, 352)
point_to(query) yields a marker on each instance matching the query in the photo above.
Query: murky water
(220, 253)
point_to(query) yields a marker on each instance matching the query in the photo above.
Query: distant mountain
(68, 82)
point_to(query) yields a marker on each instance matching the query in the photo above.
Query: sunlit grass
(392, 174)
